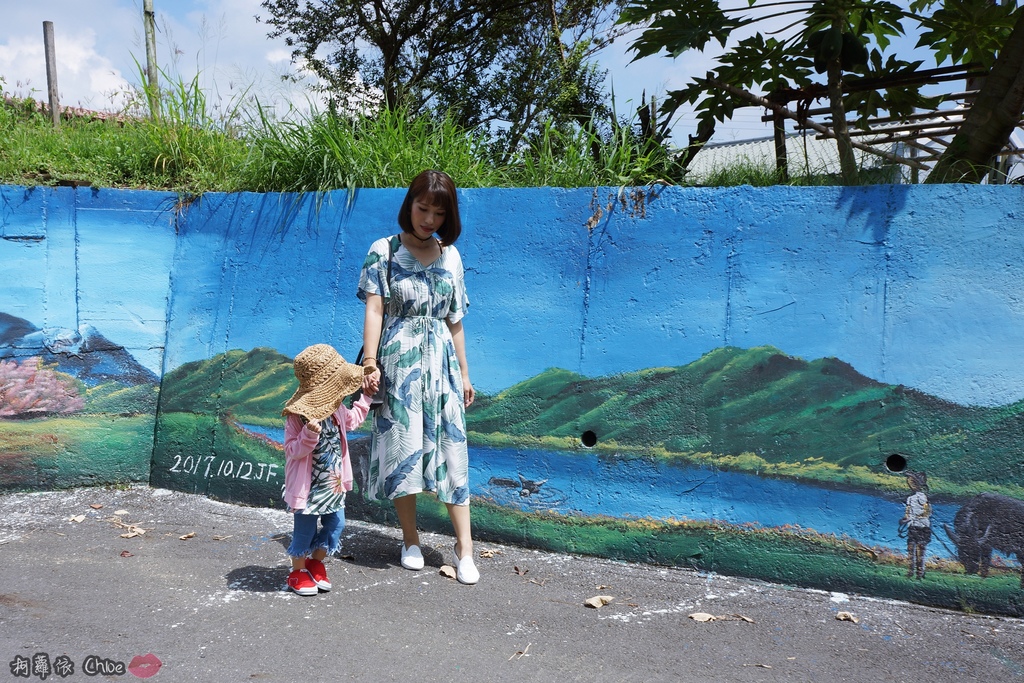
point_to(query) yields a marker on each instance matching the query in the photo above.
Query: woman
(414, 290)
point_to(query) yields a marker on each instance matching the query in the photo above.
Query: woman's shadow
(365, 548)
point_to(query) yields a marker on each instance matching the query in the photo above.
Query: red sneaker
(318, 571)
(302, 583)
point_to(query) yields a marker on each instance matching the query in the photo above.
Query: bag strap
(392, 247)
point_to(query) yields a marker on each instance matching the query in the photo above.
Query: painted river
(584, 483)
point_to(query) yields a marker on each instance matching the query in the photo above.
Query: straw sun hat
(324, 380)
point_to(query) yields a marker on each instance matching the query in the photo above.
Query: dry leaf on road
(97, 506)
(448, 570)
(78, 519)
(521, 653)
(704, 617)
(847, 616)
(598, 601)
(131, 530)
(489, 553)
(125, 553)
(187, 536)
(120, 512)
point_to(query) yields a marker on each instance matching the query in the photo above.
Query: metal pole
(149, 21)
(51, 73)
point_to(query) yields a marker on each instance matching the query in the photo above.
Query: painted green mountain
(762, 401)
(728, 402)
(254, 383)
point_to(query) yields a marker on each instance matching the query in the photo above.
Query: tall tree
(504, 65)
(843, 39)
(999, 104)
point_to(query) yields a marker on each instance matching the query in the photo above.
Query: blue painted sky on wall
(915, 286)
(74, 258)
(902, 286)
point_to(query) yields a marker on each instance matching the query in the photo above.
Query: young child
(317, 470)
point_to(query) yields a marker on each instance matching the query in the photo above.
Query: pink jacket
(299, 443)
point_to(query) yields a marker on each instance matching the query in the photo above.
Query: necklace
(422, 241)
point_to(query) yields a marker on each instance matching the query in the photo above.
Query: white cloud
(90, 54)
(278, 56)
(99, 42)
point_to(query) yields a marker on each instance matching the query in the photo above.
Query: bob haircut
(436, 189)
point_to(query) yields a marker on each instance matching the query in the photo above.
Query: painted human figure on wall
(917, 518)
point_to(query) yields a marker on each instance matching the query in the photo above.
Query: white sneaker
(412, 558)
(465, 569)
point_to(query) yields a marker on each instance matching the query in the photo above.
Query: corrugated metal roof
(805, 155)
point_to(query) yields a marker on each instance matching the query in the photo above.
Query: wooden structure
(923, 135)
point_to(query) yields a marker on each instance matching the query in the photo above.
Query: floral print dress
(326, 491)
(419, 433)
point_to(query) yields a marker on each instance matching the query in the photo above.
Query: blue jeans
(306, 538)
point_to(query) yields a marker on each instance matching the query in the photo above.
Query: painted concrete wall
(753, 370)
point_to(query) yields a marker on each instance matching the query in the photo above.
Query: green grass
(324, 152)
(191, 147)
(186, 148)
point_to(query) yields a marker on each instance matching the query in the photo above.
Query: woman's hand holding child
(371, 382)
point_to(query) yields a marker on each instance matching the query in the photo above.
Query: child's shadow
(257, 579)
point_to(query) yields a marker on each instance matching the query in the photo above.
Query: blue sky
(97, 41)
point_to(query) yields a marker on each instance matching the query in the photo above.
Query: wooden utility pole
(152, 90)
(825, 132)
(51, 73)
(779, 129)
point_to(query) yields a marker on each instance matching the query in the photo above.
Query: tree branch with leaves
(846, 41)
(499, 65)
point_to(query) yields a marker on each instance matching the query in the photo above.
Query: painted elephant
(988, 522)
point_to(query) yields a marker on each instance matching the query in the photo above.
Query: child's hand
(371, 382)
(313, 427)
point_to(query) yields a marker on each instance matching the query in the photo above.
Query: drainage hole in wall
(896, 463)
(588, 439)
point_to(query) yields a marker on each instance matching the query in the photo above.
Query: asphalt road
(99, 577)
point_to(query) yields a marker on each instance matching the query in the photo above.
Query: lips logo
(144, 666)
